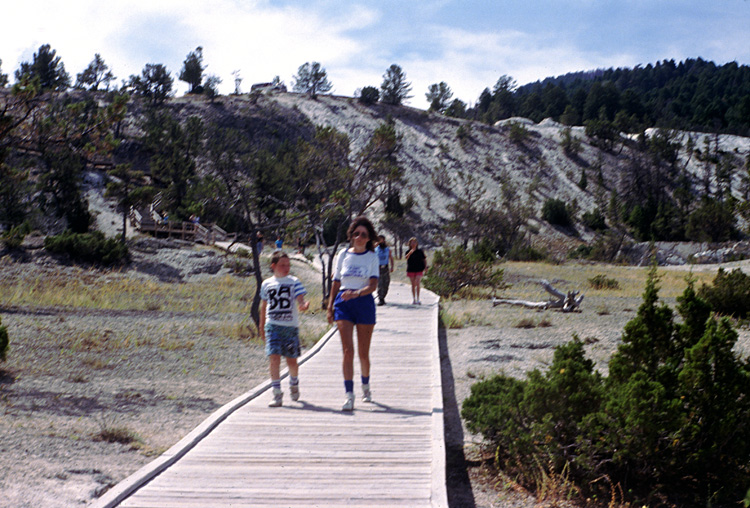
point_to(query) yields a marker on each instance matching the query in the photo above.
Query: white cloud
(260, 41)
(357, 41)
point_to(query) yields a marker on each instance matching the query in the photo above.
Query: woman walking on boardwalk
(416, 264)
(352, 306)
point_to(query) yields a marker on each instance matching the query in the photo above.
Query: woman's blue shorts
(360, 311)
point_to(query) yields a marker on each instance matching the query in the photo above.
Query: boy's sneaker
(294, 391)
(366, 395)
(278, 396)
(349, 403)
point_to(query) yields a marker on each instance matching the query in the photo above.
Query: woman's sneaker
(366, 394)
(294, 391)
(278, 396)
(349, 403)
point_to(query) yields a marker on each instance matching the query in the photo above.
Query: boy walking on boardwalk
(279, 323)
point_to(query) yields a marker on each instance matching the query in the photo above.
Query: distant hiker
(385, 259)
(416, 264)
(259, 241)
(355, 279)
(279, 243)
(279, 324)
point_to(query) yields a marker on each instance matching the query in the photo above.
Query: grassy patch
(525, 323)
(603, 282)
(111, 432)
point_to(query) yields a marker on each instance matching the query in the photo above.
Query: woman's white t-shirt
(354, 270)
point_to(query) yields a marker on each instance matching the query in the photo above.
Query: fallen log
(567, 302)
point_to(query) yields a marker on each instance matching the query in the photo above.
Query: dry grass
(115, 291)
(525, 277)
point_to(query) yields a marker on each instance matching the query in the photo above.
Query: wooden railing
(155, 225)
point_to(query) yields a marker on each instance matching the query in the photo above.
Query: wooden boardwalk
(309, 453)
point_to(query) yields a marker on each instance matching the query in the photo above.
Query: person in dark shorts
(352, 306)
(416, 264)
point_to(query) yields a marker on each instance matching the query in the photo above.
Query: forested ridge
(694, 95)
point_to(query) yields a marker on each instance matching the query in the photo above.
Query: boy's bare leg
(274, 362)
(293, 366)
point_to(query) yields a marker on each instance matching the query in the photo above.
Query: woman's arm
(351, 294)
(371, 287)
(335, 286)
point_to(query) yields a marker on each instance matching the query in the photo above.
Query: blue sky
(468, 44)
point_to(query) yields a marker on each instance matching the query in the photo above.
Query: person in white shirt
(351, 304)
(279, 323)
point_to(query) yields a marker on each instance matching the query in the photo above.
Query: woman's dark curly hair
(372, 236)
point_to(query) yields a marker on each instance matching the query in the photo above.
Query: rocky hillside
(438, 149)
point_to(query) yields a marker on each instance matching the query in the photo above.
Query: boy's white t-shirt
(280, 295)
(354, 270)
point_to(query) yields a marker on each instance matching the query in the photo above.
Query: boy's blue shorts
(360, 311)
(282, 340)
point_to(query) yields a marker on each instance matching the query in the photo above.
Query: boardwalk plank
(309, 453)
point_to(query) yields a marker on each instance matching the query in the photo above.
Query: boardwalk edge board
(439, 495)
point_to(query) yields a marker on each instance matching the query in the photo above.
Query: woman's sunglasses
(363, 234)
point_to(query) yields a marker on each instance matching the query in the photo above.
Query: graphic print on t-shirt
(354, 271)
(280, 302)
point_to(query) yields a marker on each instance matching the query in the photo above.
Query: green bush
(463, 134)
(594, 220)
(604, 248)
(13, 238)
(730, 293)
(518, 132)
(454, 269)
(556, 213)
(88, 248)
(4, 341)
(369, 95)
(669, 425)
(521, 251)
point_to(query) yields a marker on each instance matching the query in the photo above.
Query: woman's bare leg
(364, 338)
(346, 330)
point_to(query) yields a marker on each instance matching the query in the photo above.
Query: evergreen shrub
(555, 212)
(369, 95)
(13, 238)
(88, 248)
(669, 425)
(453, 269)
(594, 220)
(729, 294)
